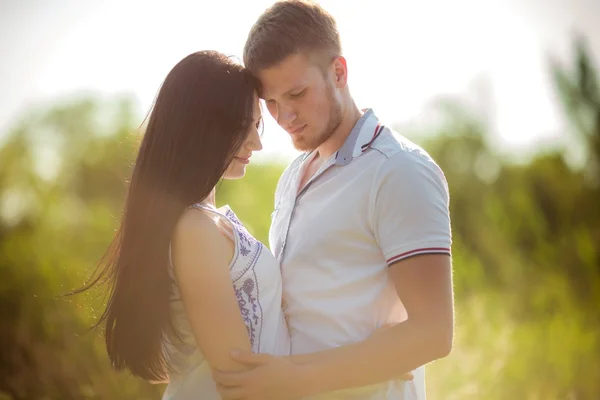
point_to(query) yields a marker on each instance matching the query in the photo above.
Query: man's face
(304, 100)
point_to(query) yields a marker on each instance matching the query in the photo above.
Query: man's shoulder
(405, 159)
(398, 150)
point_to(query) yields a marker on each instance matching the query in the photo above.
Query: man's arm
(411, 223)
(425, 285)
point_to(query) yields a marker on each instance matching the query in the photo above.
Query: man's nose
(285, 115)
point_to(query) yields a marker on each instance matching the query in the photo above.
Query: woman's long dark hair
(201, 117)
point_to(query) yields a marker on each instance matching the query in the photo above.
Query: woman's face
(237, 168)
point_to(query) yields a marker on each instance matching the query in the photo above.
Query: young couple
(355, 294)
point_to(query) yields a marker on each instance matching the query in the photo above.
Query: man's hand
(270, 378)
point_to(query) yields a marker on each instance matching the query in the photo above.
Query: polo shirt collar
(366, 129)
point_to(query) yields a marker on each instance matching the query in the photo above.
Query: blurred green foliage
(526, 251)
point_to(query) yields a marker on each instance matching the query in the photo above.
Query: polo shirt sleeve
(410, 207)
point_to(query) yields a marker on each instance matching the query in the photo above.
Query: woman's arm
(201, 256)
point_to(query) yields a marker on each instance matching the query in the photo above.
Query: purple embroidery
(247, 241)
(247, 294)
(248, 303)
(231, 215)
(243, 249)
(245, 282)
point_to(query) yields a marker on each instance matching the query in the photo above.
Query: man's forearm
(307, 358)
(379, 358)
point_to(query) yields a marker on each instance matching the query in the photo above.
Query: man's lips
(296, 131)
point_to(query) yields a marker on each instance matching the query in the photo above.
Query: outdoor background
(505, 95)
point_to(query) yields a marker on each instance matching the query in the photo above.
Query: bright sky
(401, 54)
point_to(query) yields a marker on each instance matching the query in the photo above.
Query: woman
(173, 312)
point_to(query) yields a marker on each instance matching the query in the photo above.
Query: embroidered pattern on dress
(246, 240)
(245, 282)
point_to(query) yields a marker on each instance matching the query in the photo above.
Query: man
(361, 228)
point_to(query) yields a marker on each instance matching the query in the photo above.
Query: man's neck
(350, 117)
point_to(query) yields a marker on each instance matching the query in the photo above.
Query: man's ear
(340, 70)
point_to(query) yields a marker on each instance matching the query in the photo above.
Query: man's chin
(302, 145)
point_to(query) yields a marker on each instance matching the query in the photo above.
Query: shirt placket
(291, 198)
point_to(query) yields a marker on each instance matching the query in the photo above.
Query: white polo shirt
(378, 200)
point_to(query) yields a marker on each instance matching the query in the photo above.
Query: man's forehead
(286, 76)
(273, 87)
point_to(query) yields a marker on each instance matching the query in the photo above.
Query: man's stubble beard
(335, 119)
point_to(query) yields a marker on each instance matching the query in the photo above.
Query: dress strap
(224, 224)
(228, 230)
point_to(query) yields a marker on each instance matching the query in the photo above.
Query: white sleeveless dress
(256, 278)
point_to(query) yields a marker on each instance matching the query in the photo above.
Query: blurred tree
(580, 94)
(61, 185)
(526, 257)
